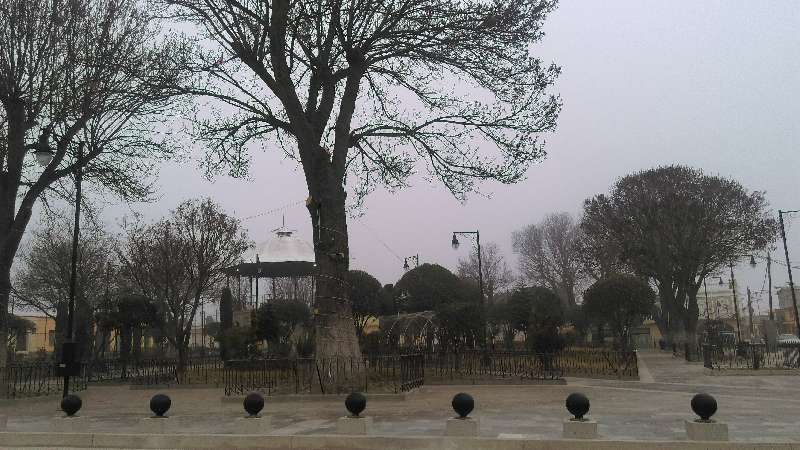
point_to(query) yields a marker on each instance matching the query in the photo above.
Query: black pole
(708, 316)
(769, 291)
(736, 306)
(477, 234)
(750, 314)
(480, 283)
(258, 275)
(789, 268)
(69, 356)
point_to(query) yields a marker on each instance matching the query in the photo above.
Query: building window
(51, 338)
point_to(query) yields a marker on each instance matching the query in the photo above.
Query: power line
(276, 210)
(375, 236)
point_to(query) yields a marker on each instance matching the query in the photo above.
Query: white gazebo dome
(284, 255)
(283, 247)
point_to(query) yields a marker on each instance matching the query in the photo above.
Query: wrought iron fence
(596, 363)
(474, 366)
(396, 373)
(36, 379)
(751, 356)
(157, 371)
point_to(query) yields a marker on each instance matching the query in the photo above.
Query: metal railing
(272, 376)
(597, 363)
(36, 379)
(474, 365)
(751, 356)
(157, 371)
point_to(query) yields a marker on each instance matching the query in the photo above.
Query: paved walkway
(757, 409)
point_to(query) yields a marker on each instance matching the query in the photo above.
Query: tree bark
(5, 293)
(692, 318)
(10, 232)
(335, 333)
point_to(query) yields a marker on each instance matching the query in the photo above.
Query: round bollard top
(253, 403)
(704, 405)
(70, 404)
(463, 404)
(577, 405)
(355, 403)
(160, 404)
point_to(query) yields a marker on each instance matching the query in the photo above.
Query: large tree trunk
(11, 227)
(5, 294)
(691, 321)
(335, 337)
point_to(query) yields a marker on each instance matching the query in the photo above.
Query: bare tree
(497, 277)
(355, 91)
(75, 71)
(42, 280)
(178, 263)
(549, 255)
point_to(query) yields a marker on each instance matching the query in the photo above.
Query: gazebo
(284, 257)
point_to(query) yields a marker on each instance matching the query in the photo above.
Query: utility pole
(769, 290)
(736, 307)
(750, 313)
(789, 269)
(708, 317)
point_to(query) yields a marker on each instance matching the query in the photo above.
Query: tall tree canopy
(619, 301)
(537, 312)
(677, 225)
(549, 255)
(363, 92)
(367, 296)
(425, 287)
(71, 72)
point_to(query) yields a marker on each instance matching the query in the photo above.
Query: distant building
(720, 301)
(41, 339)
(785, 297)
(784, 318)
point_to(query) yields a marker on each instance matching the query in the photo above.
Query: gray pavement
(757, 408)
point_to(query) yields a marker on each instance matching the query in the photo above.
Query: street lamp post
(735, 306)
(735, 302)
(750, 314)
(789, 268)
(769, 288)
(44, 156)
(455, 244)
(68, 350)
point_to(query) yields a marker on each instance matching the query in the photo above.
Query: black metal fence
(752, 356)
(36, 379)
(476, 366)
(392, 373)
(271, 376)
(157, 371)
(596, 363)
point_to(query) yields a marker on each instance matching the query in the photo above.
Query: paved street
(756, 408)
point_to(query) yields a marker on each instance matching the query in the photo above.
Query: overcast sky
(714, 85)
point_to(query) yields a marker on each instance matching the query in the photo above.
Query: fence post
(707, 356)
(756, 359)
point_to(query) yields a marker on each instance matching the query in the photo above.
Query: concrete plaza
(756, 408)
